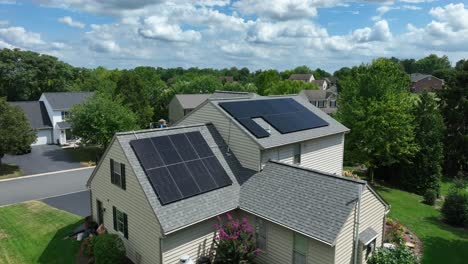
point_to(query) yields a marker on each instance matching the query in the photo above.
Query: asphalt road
(41, 187)
(75, 203)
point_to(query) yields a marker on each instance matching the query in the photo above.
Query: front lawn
(442, 243)
(33, 232)
(87, 156)
(9, 171)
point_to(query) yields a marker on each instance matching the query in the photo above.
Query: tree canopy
(99, 118)
(375, 104)
(16, 133)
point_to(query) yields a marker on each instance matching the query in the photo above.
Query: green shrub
(399, 255)
(430, 196)
(455, 208)
(108, 249)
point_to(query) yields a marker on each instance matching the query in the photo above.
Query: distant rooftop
(301, 77)
(65, 100)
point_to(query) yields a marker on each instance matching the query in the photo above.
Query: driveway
(41, 187)
(43, 158)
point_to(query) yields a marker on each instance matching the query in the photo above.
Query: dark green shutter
(125, 226)
(114, 214)
(122, 178)
(112, 170)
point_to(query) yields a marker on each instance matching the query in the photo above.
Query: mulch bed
(410, 238)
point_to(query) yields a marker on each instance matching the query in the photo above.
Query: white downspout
(358, 222)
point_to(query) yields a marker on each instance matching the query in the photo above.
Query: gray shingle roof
(197, 208)
(278, 139)
(64, 125)
(312, 203)
(300, 77)
(231, 94)
(190, 101)
(366, 236)
(65, 100)
(36, 114)
(312, 95)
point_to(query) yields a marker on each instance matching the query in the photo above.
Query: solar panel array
(286, 115)
(180, 165)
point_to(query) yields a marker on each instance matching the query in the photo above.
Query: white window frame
(298, 252)
(117, 174)
(297, 149)
(261, 234)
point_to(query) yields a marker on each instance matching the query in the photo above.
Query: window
(120, 222)
(261, 234)
(300, 249)
(297, 154)
(64, 115)
(370, 248)
(118, 173)
(321, 103)
(333, 103)
(314, 102)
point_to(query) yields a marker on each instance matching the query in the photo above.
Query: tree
(198, 84)
(319, 74)
(432, 63)
(289, 87)
(136, 96)
(265, 79)
(454, 107)
(16, 133)
(238, 87)
(425, 170)
(99, 118)
(375, 104)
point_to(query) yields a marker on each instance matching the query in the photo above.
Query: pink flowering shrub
(235, 241)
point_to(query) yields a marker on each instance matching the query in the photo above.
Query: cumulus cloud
(379, 32)
(156, 27)
(18, 36)
(453, 15)
(278, 32)
(70, 22)
(4, 22)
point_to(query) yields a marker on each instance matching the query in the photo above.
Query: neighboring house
(57, 105)
(161, 190)
(323, 99)
(302, 77)
(38, 118)
(322, 84)
(425, 82)
(332, 81)
(182, 104)
(226, 79)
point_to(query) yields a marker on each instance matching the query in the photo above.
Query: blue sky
(257, 34)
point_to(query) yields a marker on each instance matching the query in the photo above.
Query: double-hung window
(120, 222)
(297, 154)
(261, 234)
(118, 173)
(300, 249)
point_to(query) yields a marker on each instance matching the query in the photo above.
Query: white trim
(46, 173)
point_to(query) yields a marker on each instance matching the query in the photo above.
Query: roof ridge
(319, 172)
(233, 92)
(142, 131)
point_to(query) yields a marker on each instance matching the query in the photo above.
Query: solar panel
(180, 166)
(286, 115)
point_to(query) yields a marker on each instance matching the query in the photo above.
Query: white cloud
(70, 22)
(454, 15)
(411, 7)
(18, 36)
(156, 27)
(279, 32)
(4, 22)
(379, 32)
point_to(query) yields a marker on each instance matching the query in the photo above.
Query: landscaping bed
(8, 171)
(85, 155)
(33, 232)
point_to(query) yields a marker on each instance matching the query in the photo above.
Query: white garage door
(43, 137)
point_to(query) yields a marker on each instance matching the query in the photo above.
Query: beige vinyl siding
(345, 241)
(176, 112)
(280, 243)
(323, 154)
(372, 215)
(195, 241)
(143, 227)
(246, 149)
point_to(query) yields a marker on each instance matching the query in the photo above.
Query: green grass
(85, 155)
(442, 243)
(9, 171)
(33, 232)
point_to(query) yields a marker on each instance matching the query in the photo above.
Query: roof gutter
(358, 222)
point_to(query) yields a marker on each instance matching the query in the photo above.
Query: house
(162, 189)
(322, 84)
(57, 105)
(323, 99)
(182, 104)
(425, 82)
(39, 120)
(302, 77)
